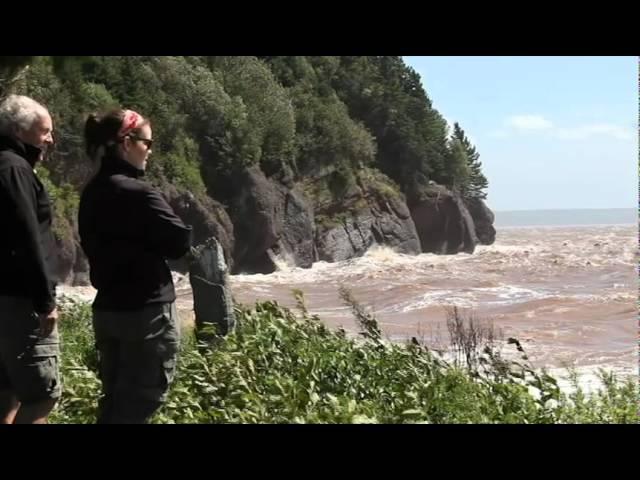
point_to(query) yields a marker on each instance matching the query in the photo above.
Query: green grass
(285, 367)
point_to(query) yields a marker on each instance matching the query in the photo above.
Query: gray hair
(18, 112)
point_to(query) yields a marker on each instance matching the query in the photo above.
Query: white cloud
(586, 131)
(580, 132)
(529, 122)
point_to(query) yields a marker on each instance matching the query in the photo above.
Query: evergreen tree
(477, 182)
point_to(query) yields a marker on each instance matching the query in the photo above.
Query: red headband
(130, 121)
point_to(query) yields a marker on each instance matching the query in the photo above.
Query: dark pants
(29, 364)
(137, 353)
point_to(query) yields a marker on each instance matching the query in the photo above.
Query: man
(29, 345)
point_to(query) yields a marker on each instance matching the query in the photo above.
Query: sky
(552, 132)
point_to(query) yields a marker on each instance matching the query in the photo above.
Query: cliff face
(444, 223)
(483, 219)
(268, 222)
(368, 218)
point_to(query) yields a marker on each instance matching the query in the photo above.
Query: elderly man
(29, 345)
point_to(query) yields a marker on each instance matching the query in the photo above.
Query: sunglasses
(148, 142)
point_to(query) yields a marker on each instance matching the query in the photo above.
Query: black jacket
(27, 247)
(127, 231)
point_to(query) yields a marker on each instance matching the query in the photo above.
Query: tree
(327, 138)
(457, 167)
(11, 68)
(389, 99)
(477, 182)
(270, 112)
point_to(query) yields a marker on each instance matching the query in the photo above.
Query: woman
(127, 231)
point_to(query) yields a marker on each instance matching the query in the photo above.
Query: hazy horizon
(566, 217)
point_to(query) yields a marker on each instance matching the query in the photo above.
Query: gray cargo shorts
(29, 364)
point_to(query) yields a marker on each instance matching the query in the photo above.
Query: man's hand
(48, 322)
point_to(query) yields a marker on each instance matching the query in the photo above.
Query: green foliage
(475, 183)
(270, 115)
(340, 182)
(279, 367)
(327, 136)
(388, 98)
(457, 166)
(65, 201)
(181, 167)
(373, 179)
(81, 386)
(11, 68)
